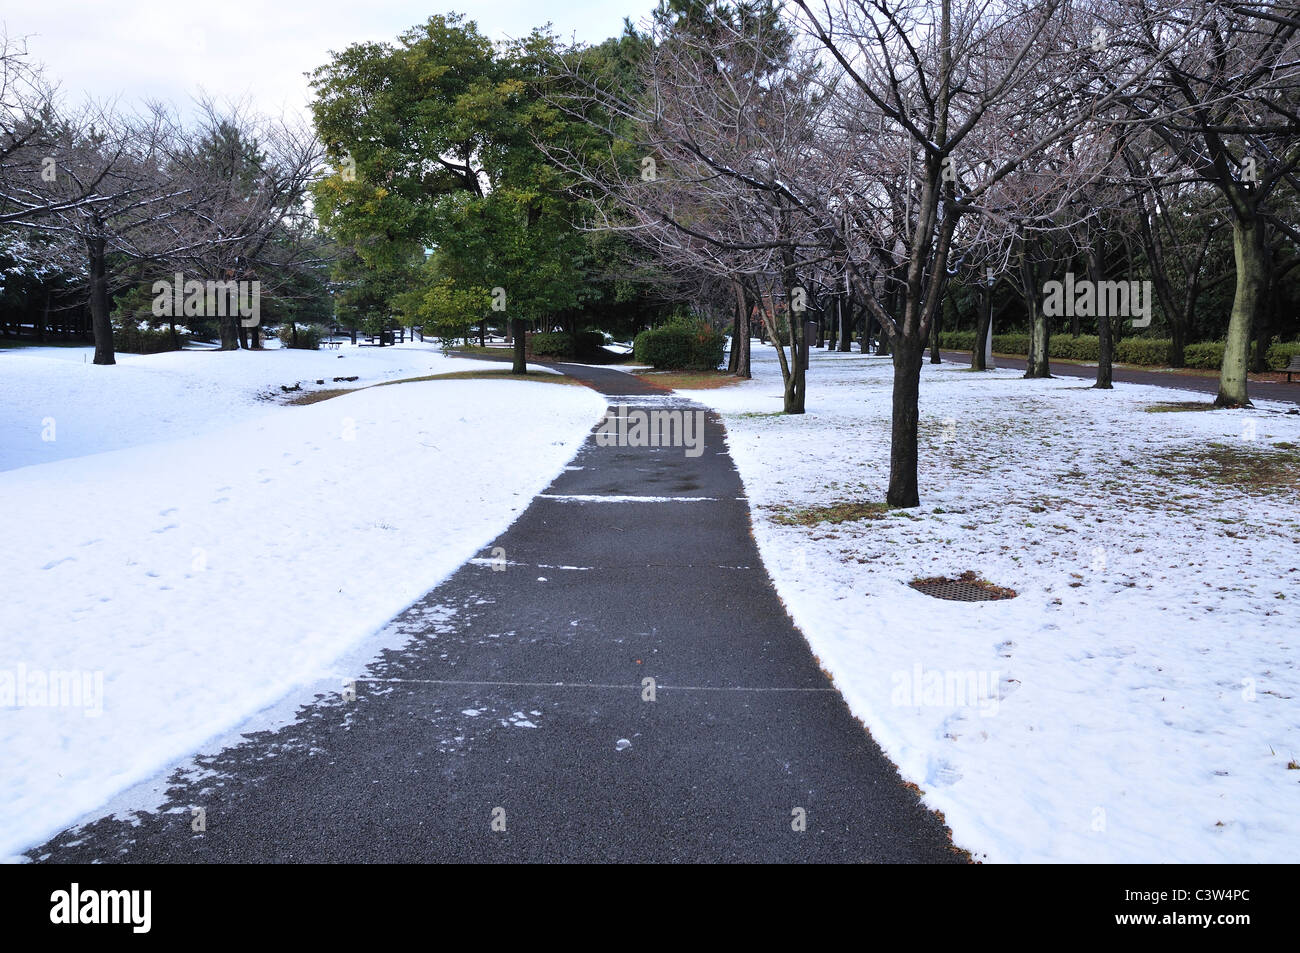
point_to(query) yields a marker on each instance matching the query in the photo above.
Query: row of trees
(901, 149)
(97, 203)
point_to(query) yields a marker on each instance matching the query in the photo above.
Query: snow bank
(55, 404)
(197, 580)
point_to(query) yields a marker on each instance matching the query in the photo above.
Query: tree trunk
(1248, 249)
(733, 355)
(796, 383)
(520, 365)
(1178, 342)
(1039, 365)
(1039, 327)
(885, 344)
(229, 340)
(977, 362)
(908, 357)
(743, 363)
(99, 319)
(934, 337)
(1264, 315)
(846, 322)
(1105, 348)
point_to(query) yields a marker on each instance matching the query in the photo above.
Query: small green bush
(1011, 343)
(1146, 352)
(130, 338)
(682, 344)
(583, 345)
(1279, 354)
(550, 344)
(309, 336)
(1207, 355)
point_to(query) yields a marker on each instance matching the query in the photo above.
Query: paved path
(529, 698)
(1258, 390)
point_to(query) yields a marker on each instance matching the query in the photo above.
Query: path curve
(520, 702)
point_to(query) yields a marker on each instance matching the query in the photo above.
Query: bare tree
(1227, 105)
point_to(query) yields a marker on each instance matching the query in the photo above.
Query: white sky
(255, 49)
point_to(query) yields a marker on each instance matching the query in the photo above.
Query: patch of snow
(1137, 700)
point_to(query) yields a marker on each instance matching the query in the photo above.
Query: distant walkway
(1263, 390)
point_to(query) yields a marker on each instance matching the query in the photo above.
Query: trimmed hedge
(1145, 352)
(561, 344)
(680, 346)
(1279, 354)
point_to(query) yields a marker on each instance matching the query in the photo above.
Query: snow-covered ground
(192, 552)
(1139, 700)
(55, 404)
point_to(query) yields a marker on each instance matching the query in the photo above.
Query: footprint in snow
(56, 562)
(167, 512)
(166, 528)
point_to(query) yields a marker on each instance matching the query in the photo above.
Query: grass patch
(316, 396)
(1247, 468)
(1178, 406)
(835, 513)
(688, 380)
(493, 374)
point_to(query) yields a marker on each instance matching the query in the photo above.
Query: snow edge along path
(1140, 680)
(204, 579)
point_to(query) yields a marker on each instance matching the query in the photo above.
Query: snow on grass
(55, 404)
(1138, 700)
(198, 579)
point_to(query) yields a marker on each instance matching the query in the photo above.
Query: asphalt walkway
(517, 723)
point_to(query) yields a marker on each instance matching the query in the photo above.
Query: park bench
(332, 345)
(1293, 367)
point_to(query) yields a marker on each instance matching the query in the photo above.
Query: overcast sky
(260, 49)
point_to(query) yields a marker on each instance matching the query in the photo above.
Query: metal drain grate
(957, 590)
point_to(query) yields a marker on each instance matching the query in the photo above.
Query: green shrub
(562, 344)
(309, 336)
(550, 344)
(957, 340)
(1279, 354)
(1146, 352)
(1207, 355)
(1011, 343)
(130, 338)
(682, 344)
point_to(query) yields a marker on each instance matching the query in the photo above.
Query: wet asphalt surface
(516, 724)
